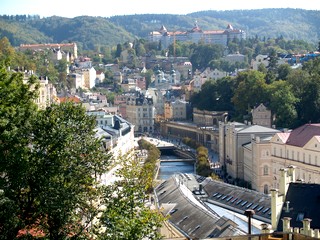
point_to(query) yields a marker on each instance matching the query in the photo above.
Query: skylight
(173, 211)
(259, 209)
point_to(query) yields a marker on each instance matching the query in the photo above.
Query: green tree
(204, 53)
(282, 103)
(250, 90)
(7, 52)
(57, 158)
(272, 67)
(126, 216)
(64, 164)
(17, 110)
(283, 71)
(119, 50)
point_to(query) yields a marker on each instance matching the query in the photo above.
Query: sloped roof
(257, 129)
(301, 135)
(301, 207)
(283, 136)
(69, 99)
(192, 219)
(238, 199)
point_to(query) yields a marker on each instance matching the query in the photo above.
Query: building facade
(232, 137)
(195, 35)
(261, 116)
(301, 148)
(206, 118)
(140, 111)
(258, 165)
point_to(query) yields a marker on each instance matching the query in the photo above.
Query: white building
(140, 111)
(195, 35)
(232, 137)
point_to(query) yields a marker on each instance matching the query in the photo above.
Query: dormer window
(300, 217)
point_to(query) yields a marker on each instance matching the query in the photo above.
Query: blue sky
(107, 8)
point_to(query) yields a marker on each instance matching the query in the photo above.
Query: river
(167, 169)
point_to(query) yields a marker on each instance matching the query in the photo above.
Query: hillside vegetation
(93, 32)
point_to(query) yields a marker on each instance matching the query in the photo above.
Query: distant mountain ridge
(93, 32)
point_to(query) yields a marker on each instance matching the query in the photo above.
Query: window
(300, 217)
(292, 153)
(265, 170)
(316, 160)
(281, 152)
(266, 189)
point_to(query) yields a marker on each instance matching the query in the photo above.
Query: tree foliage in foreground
(50, 163)
(49, 160)
(126, 215)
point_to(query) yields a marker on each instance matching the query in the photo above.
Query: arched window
(266, 189)
(265, 170)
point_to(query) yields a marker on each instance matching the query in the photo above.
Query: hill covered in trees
(92, 32)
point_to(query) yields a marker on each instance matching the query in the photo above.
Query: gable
(280, 138)
(313, 144)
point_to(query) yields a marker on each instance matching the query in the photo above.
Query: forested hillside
(88, 32)
(270, 23)
(94, 32)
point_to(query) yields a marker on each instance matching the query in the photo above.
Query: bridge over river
(176, 159)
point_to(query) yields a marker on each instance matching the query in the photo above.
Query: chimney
(265, 228)
(306, 226)
(283, 181)
(286, 224)
(276, 207)
(292, 173)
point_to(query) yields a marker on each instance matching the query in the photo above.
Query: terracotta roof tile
(69, 99)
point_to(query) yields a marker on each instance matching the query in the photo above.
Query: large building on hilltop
(195, 35)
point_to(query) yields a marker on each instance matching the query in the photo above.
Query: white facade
(47, 94)
(195, 35)
(232, 137)
(76, 80)
(305, 157)
(158, 100)
(103, 119)
(258, 164)
(89, 75)
(140, 111)
(179, 110)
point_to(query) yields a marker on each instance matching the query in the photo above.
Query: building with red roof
(301, 148)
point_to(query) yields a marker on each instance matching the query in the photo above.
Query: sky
(108, 8)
